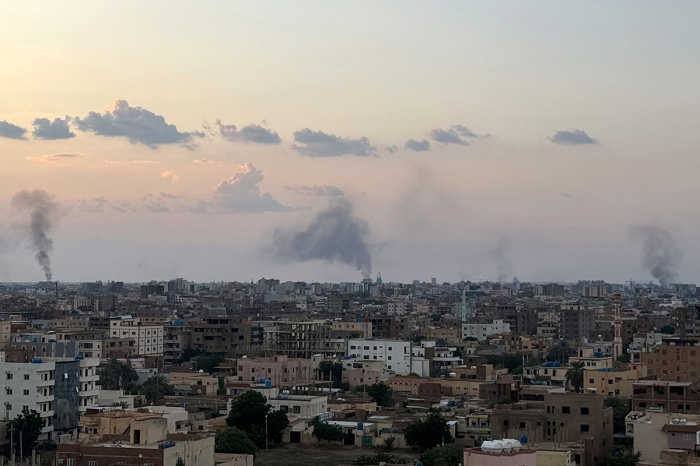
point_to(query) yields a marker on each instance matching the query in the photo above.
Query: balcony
(91, 392)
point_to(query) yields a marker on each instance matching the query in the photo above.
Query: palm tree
(575, 374)
(116, 375)
(156, 388)
(121, 404)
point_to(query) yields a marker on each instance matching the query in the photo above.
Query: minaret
(617, 342)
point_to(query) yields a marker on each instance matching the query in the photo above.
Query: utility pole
(12, 445)
(21, 448)
(266, 414)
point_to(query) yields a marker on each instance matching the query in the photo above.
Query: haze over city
(328, 141)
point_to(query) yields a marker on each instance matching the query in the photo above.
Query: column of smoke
(43, 212)
(334, 234)
(661, 256)
(504, 263)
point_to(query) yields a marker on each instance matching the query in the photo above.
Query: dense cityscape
(219, 373)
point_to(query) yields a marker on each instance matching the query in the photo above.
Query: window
(92, 463)
(9, 376)
(522, 425)
(584, 427)
(70, 462)
(297, 409)
(566, 409)
(584, 411)
(26, 376)
(26, 392)
(591, 381)
(8, 391)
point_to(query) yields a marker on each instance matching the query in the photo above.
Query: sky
(323, 141)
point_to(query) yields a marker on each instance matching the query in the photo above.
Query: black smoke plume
(334, 234)
(43, 212)
(504, 263)
(661, 256)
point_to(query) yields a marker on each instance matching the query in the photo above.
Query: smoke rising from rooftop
(501, 255)
(42, 211)
(661, 256)
(334, 234)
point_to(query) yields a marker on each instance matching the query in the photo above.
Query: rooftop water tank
(37, 361)
(261, 380)
(268, 383)
(523, 439)
(492, 446)
(360, 426)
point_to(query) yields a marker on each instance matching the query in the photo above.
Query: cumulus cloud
(51, 130)
(241, 193)
(10, 131)
(392, 149)
(417, 146)
(319, 144)
(251, 133)
(94, 205)
(136, 124)
(453, 135)
(572, 137)
(53, 158)
(170, 175)
(327, 191)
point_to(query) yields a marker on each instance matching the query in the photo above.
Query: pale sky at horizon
(582, 123)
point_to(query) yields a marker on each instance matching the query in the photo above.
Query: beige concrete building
(148, 337)
(280, 370)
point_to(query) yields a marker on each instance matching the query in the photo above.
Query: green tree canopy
(621, 409)
(327, 432)
(156, 387)
(207, 362)
(575, 374)
(30, 424)
(189, 353)
(115, 375)
(427, 433)
(248, 413)
(380, 392)
(625, 459)
(560, 352)
(234, 440)
(334, 370)
(450, 454)
(668, 329)
(509, 361)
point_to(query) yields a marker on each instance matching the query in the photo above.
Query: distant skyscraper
(379, 278)
(433, 281)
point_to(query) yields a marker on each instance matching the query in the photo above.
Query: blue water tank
(556, 364)
(79, 357)
(213, 376)
(37, 361)
(523, 439)
(268, 383)
(261, 379)
(360, 426)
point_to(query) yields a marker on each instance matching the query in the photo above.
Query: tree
(559, 352)
(222, 386)
(156, 387)
(327, 432)
(509, 361)
(332, 370)
(248, 413)
(668, 329)
(441, 342)
(120, 404)
(380, 392)
(30, 424)
(427, 433)
(575, 374)
(386, 446)
(377, 458)
(234, 440)
(621, 409)
(625, 459)
(180, 462)
(450, 454)
(115, 375)
(207, 362)
(189, 353)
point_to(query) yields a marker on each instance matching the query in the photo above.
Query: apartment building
(296, 339)
(177, 337)
(395, 354)
(665, 396)
(521, 320)
(148, 337)
(674, 359)
(482, 331)
(357, 328)
(226, 336)
(562, 417)
(280, 370)
(576, 322)
(57, 388)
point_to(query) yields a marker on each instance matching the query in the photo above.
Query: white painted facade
(148, 338)
(395, 354)
(483, 331)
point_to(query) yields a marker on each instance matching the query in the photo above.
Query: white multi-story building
(59, 389)
(396, 354)
(483, 331)
(147, 337)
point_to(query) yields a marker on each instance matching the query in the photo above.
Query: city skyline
(548, 142)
